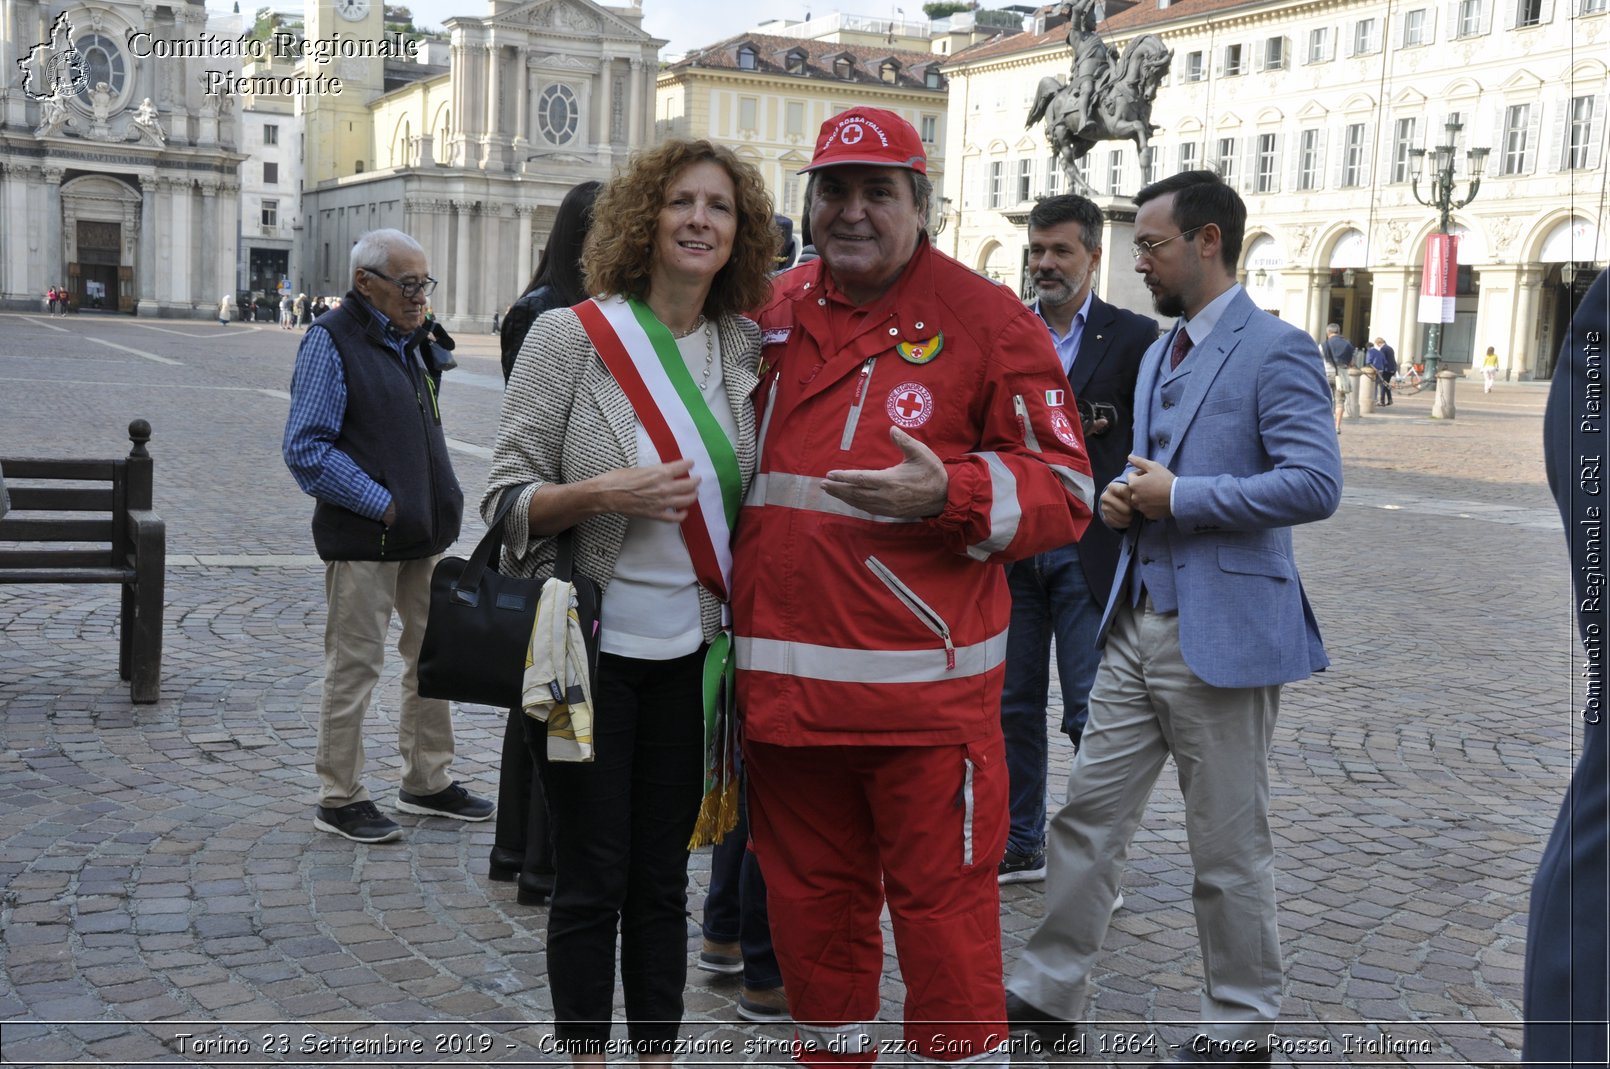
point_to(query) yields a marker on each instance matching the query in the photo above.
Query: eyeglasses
(1149, 248)
(409, 290)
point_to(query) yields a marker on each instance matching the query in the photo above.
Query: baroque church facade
(118, 174)
(474, 158)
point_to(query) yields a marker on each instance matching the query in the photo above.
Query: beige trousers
(361, 596)
(1146, 706)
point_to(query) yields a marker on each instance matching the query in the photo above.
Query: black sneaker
(360, 821)
(1022, 1017)
(453, 801)
(1022, 868)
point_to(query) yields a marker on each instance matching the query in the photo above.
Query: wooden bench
(43, 541)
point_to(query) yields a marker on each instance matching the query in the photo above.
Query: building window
(1154, 164)
(557, 114)
(1308, 160)
(270, 213)
(1194, 67)
(794, 118)
(1528, 12)
(1414, 27)
(1274, 54)
(843, 68)
(791, 200)
(1115, 171)
(1233, 60)
(796, 62)
(748, 114)
(746, 58)
(102, 62)
(271, 174)
(930, 129)
(1517, 127)
(997, 172)
(1268, 180)
(1469, 18)
(1053, 177)
(1188, 156)
(1405, 136)
(1591, 7)
(271, 134)
(889, 71)
(1579, 136)
(1025, 180)
(1353, 155)
(1225, 162)
(1319, 45)
(932, 79)
(1364, 37)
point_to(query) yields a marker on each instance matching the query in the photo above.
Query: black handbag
(478, 631)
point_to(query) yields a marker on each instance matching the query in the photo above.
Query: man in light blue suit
(1233, 446)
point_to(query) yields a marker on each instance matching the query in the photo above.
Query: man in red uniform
(917, 432)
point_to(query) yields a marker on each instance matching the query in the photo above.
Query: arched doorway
(1568, 256)
(1352, 290)
(100, 232)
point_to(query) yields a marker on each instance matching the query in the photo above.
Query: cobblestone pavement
(166, 899)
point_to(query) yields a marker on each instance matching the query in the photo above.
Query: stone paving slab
(164, 898)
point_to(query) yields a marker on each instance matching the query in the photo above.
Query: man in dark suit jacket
(1061, 592)
(1567, 945)
(1233, 446)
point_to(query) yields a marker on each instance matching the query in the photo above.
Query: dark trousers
(735, 908)
(522, 822)
(621, 826)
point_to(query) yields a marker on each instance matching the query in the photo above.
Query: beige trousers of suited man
(1146, 705)
(362, 595)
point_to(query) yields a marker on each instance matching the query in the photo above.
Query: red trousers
(839, 828)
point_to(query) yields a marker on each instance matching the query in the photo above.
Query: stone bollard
(1354, 383)
(1366, 397)
(1442, 407)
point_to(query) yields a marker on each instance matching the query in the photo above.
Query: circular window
(103, 62)
(557, 113)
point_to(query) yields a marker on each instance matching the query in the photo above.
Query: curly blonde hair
(619, 255)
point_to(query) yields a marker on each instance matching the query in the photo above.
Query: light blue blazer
(1255, 453)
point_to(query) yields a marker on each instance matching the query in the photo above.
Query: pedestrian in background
(1489, 370)
(1062, 591)
(226, 309)
(680, 246)
(365, 439)
(1380, 359)
(522, 849)
(1338, 359)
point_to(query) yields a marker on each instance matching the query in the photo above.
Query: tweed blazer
(565, 420)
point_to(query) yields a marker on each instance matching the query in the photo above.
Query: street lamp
(1441, 198)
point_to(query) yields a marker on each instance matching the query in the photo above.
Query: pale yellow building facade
(1311, 109)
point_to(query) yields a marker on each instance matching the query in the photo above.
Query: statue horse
(1119, 105)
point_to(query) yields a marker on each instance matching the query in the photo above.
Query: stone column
(441, 219)
(522, 108)
(1522, 358)
(462, 289)
(491, 157)
(145, 263)
(634, 103)
(55, 266)
(228, 208)
(606, 81)
(522, 252)
(1316, 289)
(205, 286)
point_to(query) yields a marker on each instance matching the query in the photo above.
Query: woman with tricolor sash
(628, 418)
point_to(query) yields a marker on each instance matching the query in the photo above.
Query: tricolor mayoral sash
(643, 357)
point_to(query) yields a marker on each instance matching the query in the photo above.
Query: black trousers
(621, 825)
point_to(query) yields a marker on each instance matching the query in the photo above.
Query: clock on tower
(352, 10)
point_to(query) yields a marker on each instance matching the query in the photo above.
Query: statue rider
(1093, 63)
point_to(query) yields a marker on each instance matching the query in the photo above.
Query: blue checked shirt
(318, 406)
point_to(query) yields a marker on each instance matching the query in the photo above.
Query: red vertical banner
(1439, 282)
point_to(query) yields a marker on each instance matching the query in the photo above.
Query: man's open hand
(913, 489)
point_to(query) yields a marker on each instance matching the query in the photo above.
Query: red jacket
(859, 629)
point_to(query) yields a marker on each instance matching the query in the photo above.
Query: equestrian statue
(1107, 98)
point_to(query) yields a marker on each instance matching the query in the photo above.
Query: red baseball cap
(871, 136)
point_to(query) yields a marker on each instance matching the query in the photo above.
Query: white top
(651, 610)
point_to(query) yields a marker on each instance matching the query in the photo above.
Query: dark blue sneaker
(360, 821)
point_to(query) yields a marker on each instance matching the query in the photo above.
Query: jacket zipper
(919, 608)
(765, 418)
(855, 407)
(1021, 407)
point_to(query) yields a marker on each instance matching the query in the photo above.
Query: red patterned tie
(1182, 345)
